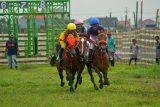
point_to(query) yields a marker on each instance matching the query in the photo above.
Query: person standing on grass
(111, 47)
(11, 51)
(134, 49)
(157, 49)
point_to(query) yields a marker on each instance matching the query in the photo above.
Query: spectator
(134, 48)
(157, 49)
(11, 51)
(111, 47)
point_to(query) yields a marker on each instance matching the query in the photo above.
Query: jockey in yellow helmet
(71, 29)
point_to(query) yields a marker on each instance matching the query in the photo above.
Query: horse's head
(101, 40)
(71, 44)
(102, 45)
(102, 36)
(83, 45)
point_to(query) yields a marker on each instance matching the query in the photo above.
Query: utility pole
(107, 23)
(129, 22)
(137, 15)
(115, 25)
(157, 17)
(110, 15)
(126, 19)
(134, 15)
(141, 13)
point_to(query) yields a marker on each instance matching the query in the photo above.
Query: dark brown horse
(70, 63)
(100, 63)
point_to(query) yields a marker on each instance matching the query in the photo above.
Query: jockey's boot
(91, 52)
(78, 54)
(60, 56)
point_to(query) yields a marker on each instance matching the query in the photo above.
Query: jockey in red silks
(92, 35)
(81, 30)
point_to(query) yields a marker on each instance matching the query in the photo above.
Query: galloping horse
(70, 62)
(100, 63)
(83, 47)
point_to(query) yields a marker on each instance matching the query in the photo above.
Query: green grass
(39, 86)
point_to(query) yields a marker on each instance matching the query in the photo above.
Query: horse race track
(39, 86)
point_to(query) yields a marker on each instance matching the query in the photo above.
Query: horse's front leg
(91, 76)
(100, 77)
(60, 71)
(79, 78)
(105, 76)
(70, 78)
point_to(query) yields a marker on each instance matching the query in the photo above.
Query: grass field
(39, 86)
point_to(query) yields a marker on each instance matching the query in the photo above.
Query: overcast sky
(90, 8)
(101, 8)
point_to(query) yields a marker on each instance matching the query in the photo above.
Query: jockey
(81, 30)
(92, 35)
(71, 29)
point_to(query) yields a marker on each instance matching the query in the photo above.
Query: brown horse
(70, 63)
(83, 50)
(100, 63)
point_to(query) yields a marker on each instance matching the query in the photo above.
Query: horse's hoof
(100, 81)
(75, 87)
(62, 84)
(67, 78)
(80, 81)
(96, 88)
(101, 86)
(71, 90)
(107, 83)
(69, 84)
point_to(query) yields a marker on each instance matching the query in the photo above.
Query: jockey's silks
(91, 33)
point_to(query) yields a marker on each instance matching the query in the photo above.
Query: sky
(100, 8)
